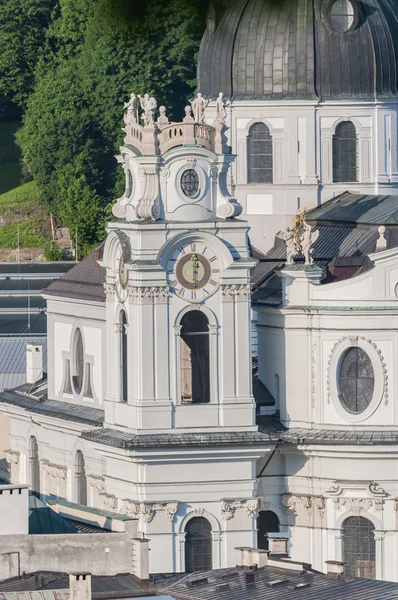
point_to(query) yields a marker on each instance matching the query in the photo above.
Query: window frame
(249, 154)
(337, 153)
(380, 377)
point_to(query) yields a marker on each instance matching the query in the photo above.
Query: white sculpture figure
(221, 111)
(199, 105)
(148, 105)
(132, 110)
(291, 247)
(163, 121)
(308, 239)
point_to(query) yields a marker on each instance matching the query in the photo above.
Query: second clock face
(194, 272)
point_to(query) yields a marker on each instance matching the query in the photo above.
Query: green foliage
(23, 26)
(10, 156)
(92, 55)
(22, 213)
(52, 252)
(30, 234)
(23, 195)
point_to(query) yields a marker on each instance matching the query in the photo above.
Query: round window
(342, 15)
(190, 183)
(78, 366)
(129, 183)
(356, 380)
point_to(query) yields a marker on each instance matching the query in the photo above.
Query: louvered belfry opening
(198, 545)
(359, 548)
(345, 153)
(259, 153)
(195, 358)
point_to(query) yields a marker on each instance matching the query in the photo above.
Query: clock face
(194, 272)
(122, 278)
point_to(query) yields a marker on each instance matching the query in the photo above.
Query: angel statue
(291, 248)
(148, 105)
(221, 111)
(308, 239)
(199, 105)
(132, 110)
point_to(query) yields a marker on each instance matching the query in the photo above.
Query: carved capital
(12, 458)
(311, 504)
(147, 511)
(250, 506)
(236, 292)
(110, 290)
(96, 483)
(56, 472)
(109, 502)
(150, 295)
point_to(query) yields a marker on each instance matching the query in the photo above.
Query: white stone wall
(13, 510)
(302, 135)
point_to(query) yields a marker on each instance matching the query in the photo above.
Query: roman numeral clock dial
(194, 272)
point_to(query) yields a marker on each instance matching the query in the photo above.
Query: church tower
(178, 285)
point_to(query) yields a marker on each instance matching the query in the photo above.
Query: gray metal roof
(286, 49)
(52, 408)
(358, 208)
(84, 282)
(272, 583)
(55, 586)
(130, 441)
(13, 354)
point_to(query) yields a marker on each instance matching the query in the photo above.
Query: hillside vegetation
(21, 213)
(67, 68)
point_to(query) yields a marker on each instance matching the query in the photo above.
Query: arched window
(267, 522)
(359, 548)
(345, 157)
(259, 153)
(34, 465)
(78, 362)
(80, 479)
(123, 357)
(195, 358)
(198, 545)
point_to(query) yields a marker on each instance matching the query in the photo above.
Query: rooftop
(272, 583)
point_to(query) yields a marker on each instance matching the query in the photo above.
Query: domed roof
(301, 49)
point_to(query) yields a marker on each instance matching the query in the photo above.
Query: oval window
(356, 380)
(78, 363)
(342, 15)
(190, 183)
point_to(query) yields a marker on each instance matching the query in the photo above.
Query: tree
(99, 51)
(23, 25)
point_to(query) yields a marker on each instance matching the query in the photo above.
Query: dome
(301, 50)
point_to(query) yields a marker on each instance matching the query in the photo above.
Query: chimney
(335, 569)
(80, 586)
(34, 362)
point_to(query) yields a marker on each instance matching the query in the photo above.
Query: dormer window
(342, 15)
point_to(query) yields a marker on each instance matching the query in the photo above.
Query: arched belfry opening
(34, 466)
(123, 357)
(267, 522)
(195, 358)
(359, 547)
(80, 479)
(198, 545)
